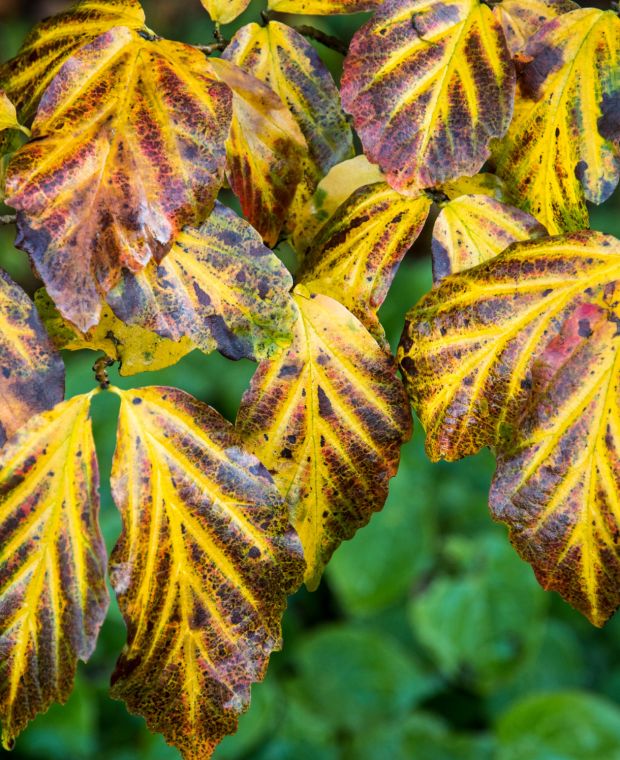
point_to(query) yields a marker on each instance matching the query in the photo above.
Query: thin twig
(331, 42)
(9, 219)
(214, 47)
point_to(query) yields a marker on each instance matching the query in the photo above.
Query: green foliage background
(429, 639)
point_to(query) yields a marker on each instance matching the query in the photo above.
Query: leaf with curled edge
(521, 19)
(44, 51)
(356, 254)
(428, 84)
(202, 569)
(129, 146)
(265, 151)
(219, 286)
(134, 348)
(225, 11)
(322, 7)
(328, 417)
(468, 346)
(472, 229)
(283, 59)
(8, 115)
(53, 595)
(32, 374)
(562, 146)
(557, 484)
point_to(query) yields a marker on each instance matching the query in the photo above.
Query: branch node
(101, 372)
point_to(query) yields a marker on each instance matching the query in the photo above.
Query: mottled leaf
(133, 347)
(225, 11)
(473, 229)
(32, 375)
(562, 146)
(557, 485)
(53, 595)
(322, 7)
(219, 286)
(8, 115)
(468, 347)
(129, 147)
(26, 77)
(202, 569)
(428, 84)
(289, 64)
(265, 151)
(356, 254)
(521, 19)
(328, 417)
(478, 184)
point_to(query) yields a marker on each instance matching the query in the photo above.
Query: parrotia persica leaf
(478, 184)
(265, 151)
(557, 486)
(32, 375)
(129, 147)
(521, 19)
(356, 254)
(468, 347)
(283, 59)
(136, 349)
(219, 286)
(53, 595)
(202, 569)
(26, 77)
(473, 229)
(328, 417)
(8, 115)
(428, 84)
(225, 11)
(322, 7)
(562, 146)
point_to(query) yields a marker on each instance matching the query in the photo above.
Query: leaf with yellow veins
(219, 286)
(322, 7)
(283, 59)
(473, 229)
(478, 184)
(129, 146)
(562, 146)
(133, 347)
(225, 11)
(428, 84)
(32, 375)
(53, 595)
(8, 115)
(328, 417)
(521, 19)
(557, 485)
(264, 150)
(26, 77)
(356, 254)
(468, 347)
(202, 569)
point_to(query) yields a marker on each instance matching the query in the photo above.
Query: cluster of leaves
(130, 140)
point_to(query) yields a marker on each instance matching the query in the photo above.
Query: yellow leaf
(428, 84)
(521, 19)
(32, 375)
(479, 184)
(8, 115)
(328, 417)
(53, 595)
(468, 347)
(129, 146)
(562, 146)
(557, 486)
(473, 229)
(202, 568)
(225, 11)
(265, 151)
(322, 7)
(136, 349)
(219, 286)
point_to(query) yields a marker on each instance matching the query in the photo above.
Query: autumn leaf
(219, 286)
(133, 347)
(265, 151)
(328, 417)
(562, 146)
(283, 59)
(428, 84)
(356, 254)
(322, 7)
(225, 11)
(468, 347)
(202, 569)
(521, 19)
(8, 115)
(32, 375)
(478, 184)
(557, 485)
(26, 77)
(473, 229)
(128, 148)
(53, 595)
